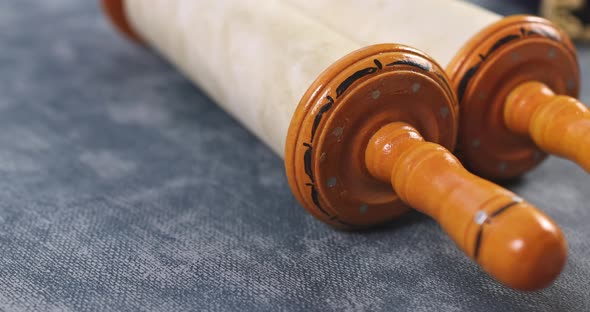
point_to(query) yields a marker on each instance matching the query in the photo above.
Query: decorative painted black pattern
(318, 118)
(479, 237)
(340, 90)
(307, 161)
(356, 76)
(410, 63)
(315, 199)
(472, 71)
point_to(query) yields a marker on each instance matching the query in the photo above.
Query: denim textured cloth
(124, 188)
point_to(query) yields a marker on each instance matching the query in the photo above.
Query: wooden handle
(558, 124)
(512, 240)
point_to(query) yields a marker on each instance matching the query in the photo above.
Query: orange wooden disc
(339, 113)
(517, 49)
(115, 10)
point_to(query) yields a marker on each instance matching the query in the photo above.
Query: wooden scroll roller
(370, 135)
(516, 78)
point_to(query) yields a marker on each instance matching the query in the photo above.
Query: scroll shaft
(558, 124)
(513, 241)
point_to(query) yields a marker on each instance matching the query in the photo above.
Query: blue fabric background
(124, 188)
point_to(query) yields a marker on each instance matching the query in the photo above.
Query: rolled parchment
(254, 58)
(361, 144)
(438, 27)
(512, 76)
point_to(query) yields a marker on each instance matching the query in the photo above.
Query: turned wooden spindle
(487, 56)
(558, 124)
(513, 241)
(370, 162)
(351, 156)
(517, 81)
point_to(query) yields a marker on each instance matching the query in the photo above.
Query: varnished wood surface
(125, 187)
(501, 57)
(513, 241)
(342, 109)
(353, 168)
(558, 124)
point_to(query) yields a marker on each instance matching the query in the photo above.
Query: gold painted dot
(376, 94)
(416, 87)
(444, 112)
(476, 143)
(332, 182)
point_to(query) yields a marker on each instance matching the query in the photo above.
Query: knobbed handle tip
(522, 248)
(511, 240)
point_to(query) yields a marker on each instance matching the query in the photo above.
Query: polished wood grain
(371, 138)
(558, 124)
(491, 68)
(342, 109)
(512, 240)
